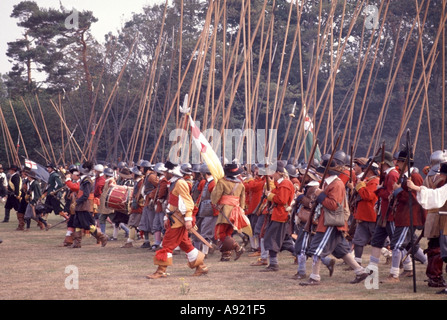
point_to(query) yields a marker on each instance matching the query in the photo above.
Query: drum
(118, 198)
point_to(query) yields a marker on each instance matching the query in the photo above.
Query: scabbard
(180, 218)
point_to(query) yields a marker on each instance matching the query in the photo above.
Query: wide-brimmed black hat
(13, 167)
(232, 169)
(31, 174)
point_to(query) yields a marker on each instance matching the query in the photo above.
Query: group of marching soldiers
(321, 210)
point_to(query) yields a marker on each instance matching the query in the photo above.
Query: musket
(410, 203)
(309, 223)
(244, 237)
(59, 223)
(192, 230)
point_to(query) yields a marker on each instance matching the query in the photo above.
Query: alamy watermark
(242, 146)
(72, 20)
(72, 280)
(372, 17)
(372, 280)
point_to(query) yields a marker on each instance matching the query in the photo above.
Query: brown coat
(225, 186)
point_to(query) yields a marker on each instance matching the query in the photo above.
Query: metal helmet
(204, 168)
(108, 172)
(99, 168)
(195, 167)
(138, 164)
(122, 164)
(145, 164)
(340, 157)
(160, 168)
(291, 170)
(186, 168)
(438, 157)
(136, 171)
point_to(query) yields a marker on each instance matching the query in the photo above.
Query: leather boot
(159, 273)
(238, 250)
(100, 237)
(21, 219)
(68, 241)
(201, 268)
(77, 237)
(434, 267)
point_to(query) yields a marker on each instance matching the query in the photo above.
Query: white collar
(210, 179)
(280, 180)
(330, 179)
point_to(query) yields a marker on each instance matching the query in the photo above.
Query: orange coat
(254, 189)
(332, 195)
(281, 196)
(364, 210)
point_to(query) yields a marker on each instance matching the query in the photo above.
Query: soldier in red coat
(401, 235)
(364, 212)
(254, 187)
(329, 239)
(276, 236)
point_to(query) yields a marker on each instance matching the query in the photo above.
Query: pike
(410, 204)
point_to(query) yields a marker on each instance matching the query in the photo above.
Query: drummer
(120, 218)
(136, 207)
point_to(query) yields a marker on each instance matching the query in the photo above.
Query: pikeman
(434, 199)
(310, 182)
(178, 223)
(435, 225)
(147, 216)
(34, 193)
(329, 237)
(277, 234)
(53, 190)
(207, 214)
(14, 191)
(158, 197)
(136, 207)
(364, 213)
(402, 235)
(263, 212)
(83, 218)
(72, 181)
(254, 187)
(229, 196)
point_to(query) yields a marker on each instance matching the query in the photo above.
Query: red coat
(281, 196)
(364, 211)
(254, 189)
(333, 195)
(99, 186)
(384, 192)
(402, 212)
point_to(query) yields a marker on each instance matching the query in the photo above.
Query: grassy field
(35, 267)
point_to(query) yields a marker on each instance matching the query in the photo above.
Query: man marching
(178, 221)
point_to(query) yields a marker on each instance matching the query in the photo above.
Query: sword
(192, 230)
